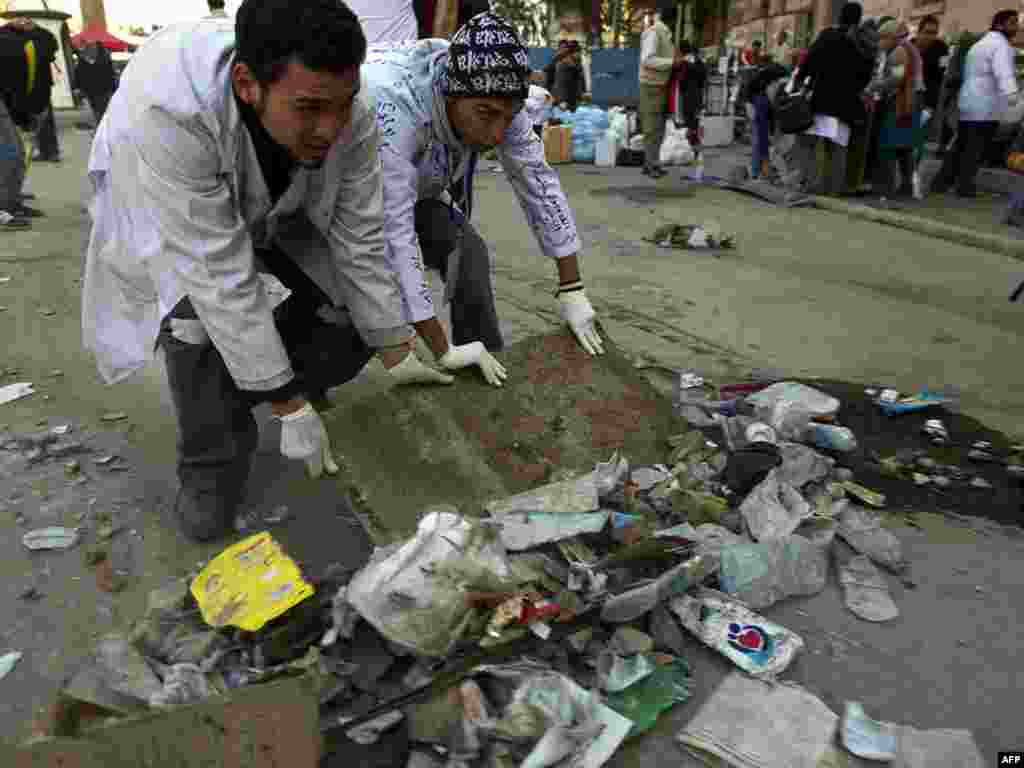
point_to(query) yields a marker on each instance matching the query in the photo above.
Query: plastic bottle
(830, 437)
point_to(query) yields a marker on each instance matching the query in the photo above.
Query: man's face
(927, 35)
(480, 123)
(1011, 28)
(304, 111)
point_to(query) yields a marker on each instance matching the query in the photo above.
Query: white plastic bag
(789, 406)
(415, 593)
(762, 574)
(774, 509)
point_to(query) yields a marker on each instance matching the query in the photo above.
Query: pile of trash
(706, 236)
(558, 619)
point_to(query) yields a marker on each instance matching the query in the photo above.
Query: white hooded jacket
(178, 201)
(421, 158)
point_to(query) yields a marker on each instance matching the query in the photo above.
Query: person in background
(784, 49)
(753, 55)
(658, 54)
(858, 169)
(95, 77)
(760, 90)
(935, 58)
(441, 105)
(570, 82)
(216, 9)
(898, 95)
(47, 47)
(990, 87)
(838, 71)
(686, 93)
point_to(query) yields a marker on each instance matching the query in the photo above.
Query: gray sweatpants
(12, 162)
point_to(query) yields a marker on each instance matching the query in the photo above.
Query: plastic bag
(788, 407)
(566, 719)
(415, 593)
(759, 647)
(608, 474)
(762, 574)
(862, 530)
(668, 685)
(802, 464)
(774, 509)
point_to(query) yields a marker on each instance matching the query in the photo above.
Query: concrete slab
(559, 411)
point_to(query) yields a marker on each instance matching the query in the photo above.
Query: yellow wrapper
(249, 584)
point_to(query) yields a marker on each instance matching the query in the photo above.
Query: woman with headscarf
(900, 92)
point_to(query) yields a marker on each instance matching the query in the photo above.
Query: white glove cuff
(303, 413)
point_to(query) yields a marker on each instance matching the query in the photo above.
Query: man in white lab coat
(989, 89)
(227, 154)
(439, 106)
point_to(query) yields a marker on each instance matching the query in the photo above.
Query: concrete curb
(995, 243)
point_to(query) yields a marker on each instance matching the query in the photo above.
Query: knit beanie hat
(486, 58)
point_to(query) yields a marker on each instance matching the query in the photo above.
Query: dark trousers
(217, 433)
(474, 315)
(894, 173)
(762, 133)
(46, 136)
(961, 163)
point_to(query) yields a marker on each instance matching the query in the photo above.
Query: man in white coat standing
(227, 154)
(439, 106)
(990, 87)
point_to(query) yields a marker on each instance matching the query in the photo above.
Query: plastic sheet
(862, 530)
(747, 723)
(762, 574)
(669, 684)
(802, 464)
(759, 647)
(788, 407)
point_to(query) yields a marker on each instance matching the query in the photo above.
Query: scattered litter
(774, 509)
(616, 673)
(5, 279)
(248, 584)
(864, 495)
(733, 727)
(691, 236)
(12, 392)
(114, 416)
(981, 482)
(865, 590)
(370, 733)
(867, 738)
(51, 538)
(670, 683)
(61, 429)
(105, 460)
(892, 405)
(790, 406)
(757, 646)
(936, 431)
(30, 594)
(182, 684)
(632, 604)
(47, 311)
(7, 662)
(688, 380)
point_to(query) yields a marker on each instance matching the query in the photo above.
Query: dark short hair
(851, 14)
(927, 21)
(323, 35)
(215, 5)
(1001, 18)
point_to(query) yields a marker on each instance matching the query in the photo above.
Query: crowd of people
(28, 55)
(873, 92)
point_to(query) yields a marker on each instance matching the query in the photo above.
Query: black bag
(793, 113)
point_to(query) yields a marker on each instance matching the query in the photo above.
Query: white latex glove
(474, 353)
(304, 437)
(412, 371)
(579, 314)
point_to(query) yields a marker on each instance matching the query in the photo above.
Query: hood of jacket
(865, 39)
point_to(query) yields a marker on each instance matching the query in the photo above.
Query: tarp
(96, 34)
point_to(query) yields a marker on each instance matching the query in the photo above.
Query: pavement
(806, 292)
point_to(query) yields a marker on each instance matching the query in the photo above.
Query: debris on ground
(706, 236)
(600, 581)
(55, 537)
(905, 746)
(7, 662)
(12, 392)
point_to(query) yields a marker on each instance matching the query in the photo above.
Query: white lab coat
(989, 79)
(421, 158)
(178, 200)
(386, 21)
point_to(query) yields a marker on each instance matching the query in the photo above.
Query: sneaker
(204, 515)
(11, 223)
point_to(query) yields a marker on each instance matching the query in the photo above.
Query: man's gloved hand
(412, 371)
(579, 314)
(474, 354)
(304, 437)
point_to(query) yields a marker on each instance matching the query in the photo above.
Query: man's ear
(246, 85)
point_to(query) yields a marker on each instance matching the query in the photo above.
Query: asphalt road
(805, 292)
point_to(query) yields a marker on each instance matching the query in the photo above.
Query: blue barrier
(614, 74)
